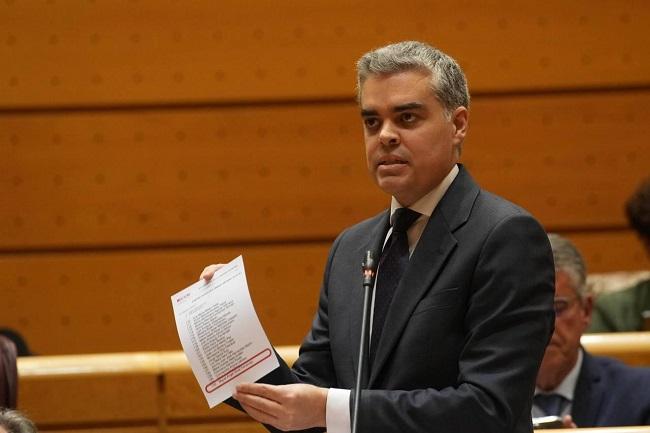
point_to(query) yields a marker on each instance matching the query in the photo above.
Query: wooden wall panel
(63, 52)
(143, 139)
(183, 176)
(278, 173)
(572, 160)
(610, 250)
(120, 301)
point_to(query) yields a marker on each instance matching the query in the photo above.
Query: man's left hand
(285, 407)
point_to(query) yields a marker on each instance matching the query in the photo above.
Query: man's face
(571, 320)
(410, 144)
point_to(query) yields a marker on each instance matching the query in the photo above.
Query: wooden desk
(156, 392)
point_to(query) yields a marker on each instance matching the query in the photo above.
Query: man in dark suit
(457, 340)
(588, 391)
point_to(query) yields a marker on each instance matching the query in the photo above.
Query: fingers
(260, 404)
(260, 397)
(254, 401)
(259, 415)
(567, 420)
(271, 392)
(209, 271)
(287, 407)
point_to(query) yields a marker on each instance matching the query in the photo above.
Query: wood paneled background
(143, 139)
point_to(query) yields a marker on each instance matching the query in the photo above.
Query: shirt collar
(430, 200)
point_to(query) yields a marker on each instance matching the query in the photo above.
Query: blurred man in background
(586, 390)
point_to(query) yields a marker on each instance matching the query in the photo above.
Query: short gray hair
(447, 78)
(569, 260)
(15, 422)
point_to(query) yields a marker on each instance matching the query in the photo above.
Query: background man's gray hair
(14, 421)
(569, 260)
(447, 79)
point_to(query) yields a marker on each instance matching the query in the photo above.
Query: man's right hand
(209, 271)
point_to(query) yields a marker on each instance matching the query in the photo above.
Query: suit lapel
(588, 394)
(436, 244)
(374, 243)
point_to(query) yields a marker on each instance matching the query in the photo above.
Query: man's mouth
(391, 161)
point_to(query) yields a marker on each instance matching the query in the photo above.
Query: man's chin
(392, 185)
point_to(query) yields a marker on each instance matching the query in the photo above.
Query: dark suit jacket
(467, 327)
(609, 393)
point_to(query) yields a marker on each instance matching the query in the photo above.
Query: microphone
(369, 267)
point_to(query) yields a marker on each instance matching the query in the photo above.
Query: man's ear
(460, 119)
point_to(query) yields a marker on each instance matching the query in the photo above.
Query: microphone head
(368, 263)
(369, 267)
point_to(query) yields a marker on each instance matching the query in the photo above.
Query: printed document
(221, 334)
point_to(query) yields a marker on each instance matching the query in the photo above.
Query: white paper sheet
(221, 334)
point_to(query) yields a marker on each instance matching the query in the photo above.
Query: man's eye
(370, 122)
(560, 306)
(407, 117)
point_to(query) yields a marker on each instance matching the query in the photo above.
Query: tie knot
(403, 218)
(551, 404)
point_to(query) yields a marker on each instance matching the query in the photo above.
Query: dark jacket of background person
(610, 393)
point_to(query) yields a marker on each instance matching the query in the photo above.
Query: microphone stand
(369, 267)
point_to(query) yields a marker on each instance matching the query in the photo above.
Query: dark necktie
(392, 263)
(551, 404)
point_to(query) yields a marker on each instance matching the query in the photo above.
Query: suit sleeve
(315, 364)
(508, 322)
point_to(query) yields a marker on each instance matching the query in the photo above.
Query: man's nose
(388, 136)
